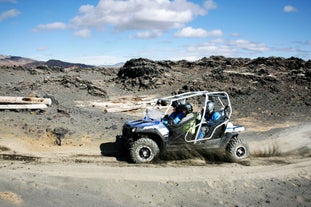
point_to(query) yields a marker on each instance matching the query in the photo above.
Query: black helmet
(175, 103)
(187, 107)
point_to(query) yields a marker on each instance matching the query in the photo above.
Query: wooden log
(24, 100)
(23, 106)
(125, 103)
(123, 109)
(118, 107)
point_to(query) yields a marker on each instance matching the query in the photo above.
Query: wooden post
(24, 100)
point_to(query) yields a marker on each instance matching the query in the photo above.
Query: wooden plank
(23, 106)
(24, 100)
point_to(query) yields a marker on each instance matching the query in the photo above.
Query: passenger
(212, 118)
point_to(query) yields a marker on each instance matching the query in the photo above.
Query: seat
(217, 130)
(186, 118)
(178, 131)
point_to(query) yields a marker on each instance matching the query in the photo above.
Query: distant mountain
(57, 63)
(117, 65)
(6, 60)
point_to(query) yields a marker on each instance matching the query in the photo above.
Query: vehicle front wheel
(144, 150)
(236, 150)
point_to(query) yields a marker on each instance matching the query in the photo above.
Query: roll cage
(199, 100)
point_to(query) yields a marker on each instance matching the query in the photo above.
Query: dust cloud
(294, 140)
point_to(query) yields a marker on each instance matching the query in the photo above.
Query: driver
(177, 114)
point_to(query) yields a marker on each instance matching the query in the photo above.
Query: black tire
(236, 150)
(144, 150)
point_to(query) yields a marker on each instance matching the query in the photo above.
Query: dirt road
(78, 175)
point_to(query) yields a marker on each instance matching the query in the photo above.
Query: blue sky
(101, 32)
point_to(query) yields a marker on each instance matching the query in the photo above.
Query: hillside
(264, 89)
(6, 60)
(270, 97)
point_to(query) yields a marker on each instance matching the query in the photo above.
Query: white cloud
(51, 26)
(249, 45)
(191, 32)
(210, 4)
(148, 18)
(289, 8)
(9, 14)
(210, 48)
(160, 15)
(230, 48)
(235, 34)
(218, 41)
(84, 33)
(148, 34)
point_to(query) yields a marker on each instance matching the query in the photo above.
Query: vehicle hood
(143, 123)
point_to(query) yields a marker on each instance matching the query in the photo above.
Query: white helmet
(210, 106)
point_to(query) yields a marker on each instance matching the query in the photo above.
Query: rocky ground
(270, 96)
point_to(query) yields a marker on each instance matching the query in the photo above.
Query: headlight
(133, 129)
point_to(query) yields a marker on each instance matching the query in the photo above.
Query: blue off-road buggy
(147, 138)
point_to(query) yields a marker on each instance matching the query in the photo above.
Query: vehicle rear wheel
(144, 150)
(236, 150)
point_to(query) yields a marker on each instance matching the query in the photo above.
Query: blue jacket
(212, 118)
(176, 116)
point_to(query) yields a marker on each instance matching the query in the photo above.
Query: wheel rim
(240, 151)
(145, 152)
